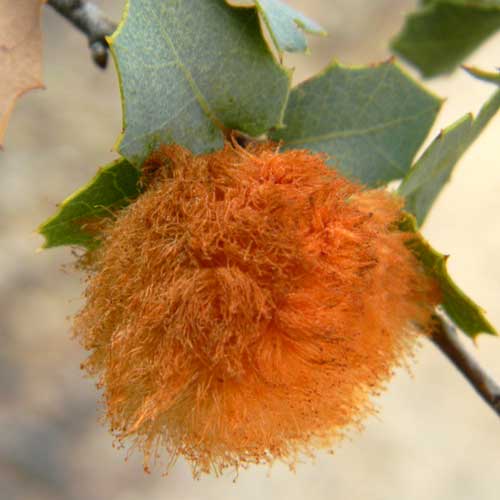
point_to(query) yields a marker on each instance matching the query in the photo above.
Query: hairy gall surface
(248, 305)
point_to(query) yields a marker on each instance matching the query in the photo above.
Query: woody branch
(90, 20)
(446, 339)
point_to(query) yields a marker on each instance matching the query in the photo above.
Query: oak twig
(91, 21)
(445, 337)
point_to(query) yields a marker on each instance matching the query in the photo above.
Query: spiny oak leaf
(432, 171)
(461, 309)
(80, 216)
(189, 69)
(285, 24)
(370, 120)
(20, 54)
(440, 34)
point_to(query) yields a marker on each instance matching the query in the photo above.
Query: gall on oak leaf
(248, 306)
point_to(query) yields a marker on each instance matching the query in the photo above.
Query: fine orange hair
(248, 305)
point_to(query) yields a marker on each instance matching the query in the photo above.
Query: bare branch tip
(92, 22)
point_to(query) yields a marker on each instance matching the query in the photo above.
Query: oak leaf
(20, 53)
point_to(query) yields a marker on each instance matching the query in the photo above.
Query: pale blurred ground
(433, 439)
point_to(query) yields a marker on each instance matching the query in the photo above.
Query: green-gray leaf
(433, 169)
(114, 187)
(442, 33)
(462, 310)
(285, 25)
(369, 120)
(189, 68)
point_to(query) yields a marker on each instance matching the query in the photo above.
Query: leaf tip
(483, 75)
(41, 231)
(45, 245)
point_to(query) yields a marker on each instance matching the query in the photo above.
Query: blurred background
(433, 437)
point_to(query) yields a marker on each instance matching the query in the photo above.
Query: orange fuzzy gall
(247, 306)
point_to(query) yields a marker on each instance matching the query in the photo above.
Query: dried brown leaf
(20, 53)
